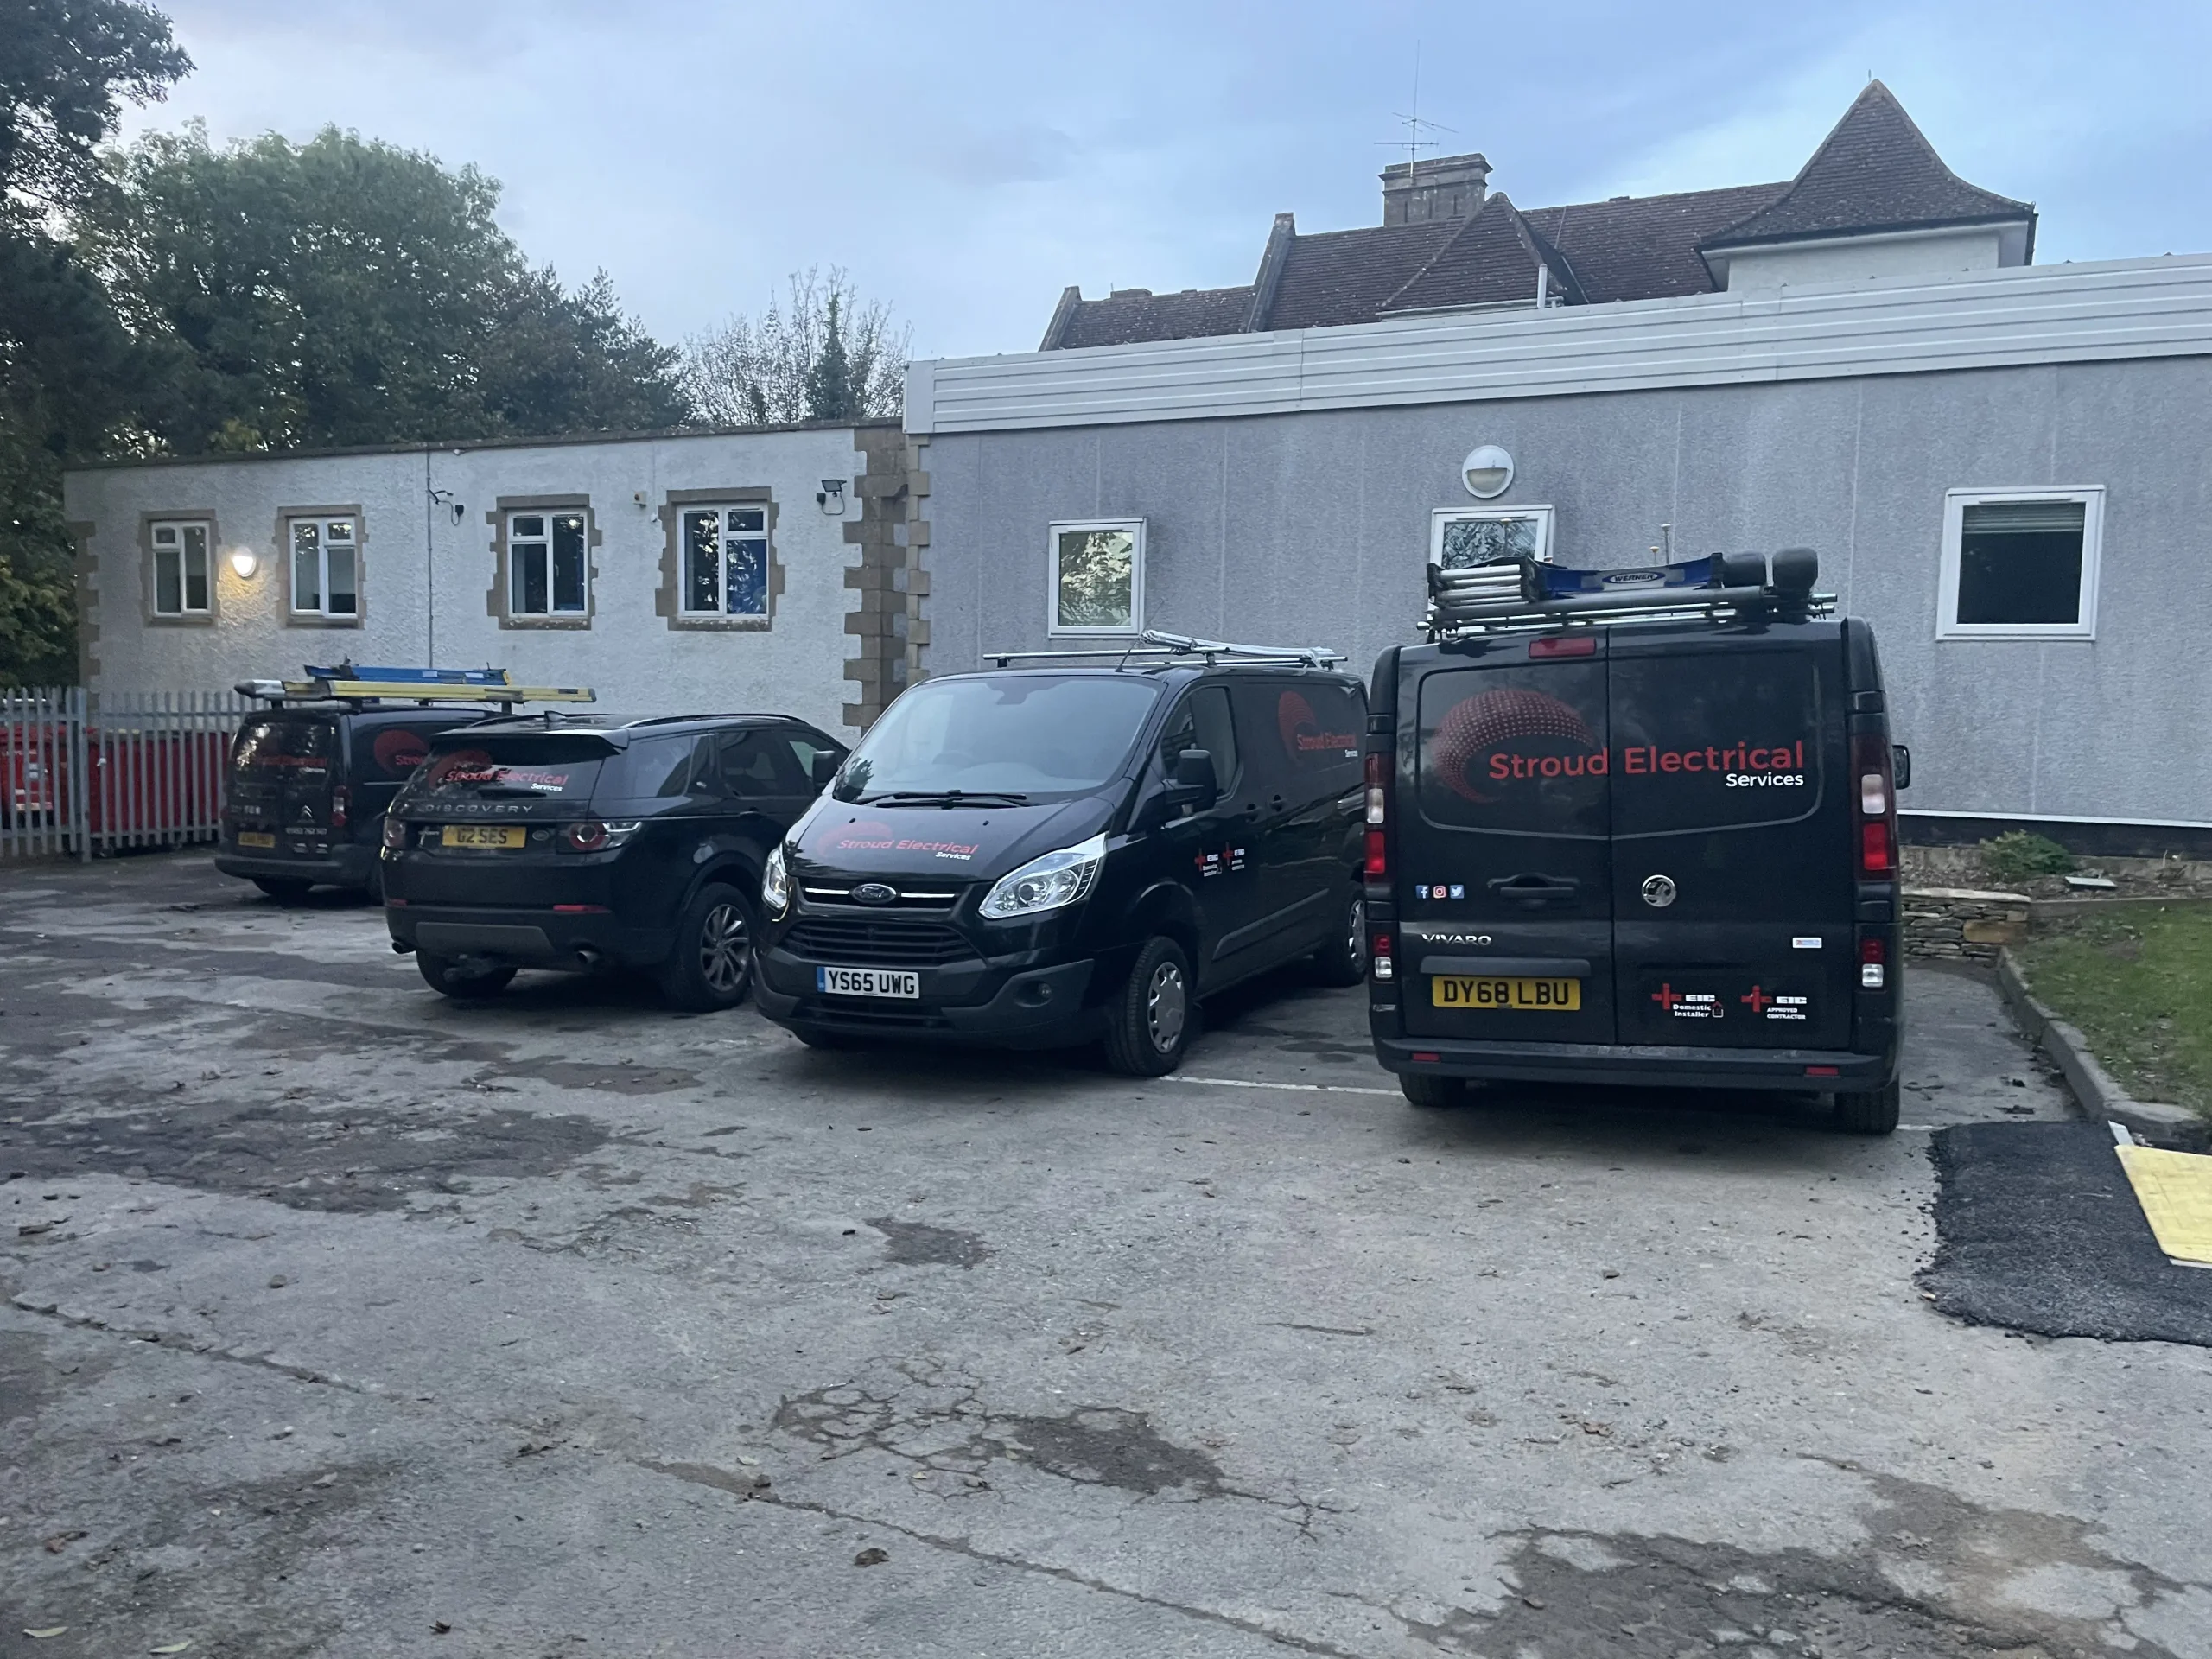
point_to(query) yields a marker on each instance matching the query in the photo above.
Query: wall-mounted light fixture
(1486, 472)
(830, 498)
(244, 562)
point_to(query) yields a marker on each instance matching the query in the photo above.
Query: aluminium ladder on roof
(1520, 593)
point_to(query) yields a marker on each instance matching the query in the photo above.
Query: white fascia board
(1904, 325)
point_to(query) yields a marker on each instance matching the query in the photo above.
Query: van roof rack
(1157, 645)
(1518, 593)
(345, 684)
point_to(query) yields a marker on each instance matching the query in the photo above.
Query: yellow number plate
(485, 834)
(1507, 995)
(256, 838)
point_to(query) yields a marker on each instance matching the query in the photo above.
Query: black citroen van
(576, 844)
(1070, 853)
(309, 785)
(1656, 848)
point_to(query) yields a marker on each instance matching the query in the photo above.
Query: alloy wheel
(1356, 933)
(1166, 1006)
(723, 945)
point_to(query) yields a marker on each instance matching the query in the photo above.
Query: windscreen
(270, 750)
(1517, 749)
(513, 768)
(1040, 736)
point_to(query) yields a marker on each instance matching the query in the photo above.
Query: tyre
(465, 982)
(1150, 1021)
(284, 890)
(1874, 1113)
(1426, 1089)
(1343, 960)
(712, 968)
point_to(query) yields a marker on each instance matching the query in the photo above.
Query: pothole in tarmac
(1938, 1578)
(929, 1417)
(309, 1158)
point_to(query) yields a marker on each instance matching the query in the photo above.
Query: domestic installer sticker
(2175, 1189)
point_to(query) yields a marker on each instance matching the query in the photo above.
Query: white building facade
(754, 569)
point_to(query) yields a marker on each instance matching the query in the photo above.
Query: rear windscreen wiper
(950, 797)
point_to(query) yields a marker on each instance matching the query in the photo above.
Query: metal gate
(84, 773)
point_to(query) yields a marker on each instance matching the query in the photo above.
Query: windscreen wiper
(948, 798)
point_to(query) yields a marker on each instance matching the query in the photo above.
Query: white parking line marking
(1253, 1083)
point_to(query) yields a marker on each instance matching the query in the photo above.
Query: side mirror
(823, 768)
(1901, 766)
(1193, 783)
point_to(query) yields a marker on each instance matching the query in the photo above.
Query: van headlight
(776, 882)
(1051, 882)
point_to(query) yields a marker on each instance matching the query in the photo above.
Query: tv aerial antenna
(1413, 143)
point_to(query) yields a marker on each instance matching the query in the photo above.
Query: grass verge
(2138, 984)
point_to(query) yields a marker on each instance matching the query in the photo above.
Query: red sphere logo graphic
(1480, 725)
(399, 752)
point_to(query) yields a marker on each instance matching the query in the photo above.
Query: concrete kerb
(2095, 1091)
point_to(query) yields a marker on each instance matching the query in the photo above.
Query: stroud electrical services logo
(1514, 735)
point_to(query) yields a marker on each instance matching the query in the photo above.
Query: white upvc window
(1461, 537)
(183, 579)
(326, 567)
(1096, 568)
(548, 572)
(726, 560)
(2020, 564)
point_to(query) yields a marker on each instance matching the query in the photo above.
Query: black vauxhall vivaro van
(1636, 827)
(1074, 851)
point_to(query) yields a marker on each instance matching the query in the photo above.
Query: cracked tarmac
(339, 1319)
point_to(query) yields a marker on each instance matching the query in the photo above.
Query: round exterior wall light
(245, 562)
(1486, 472)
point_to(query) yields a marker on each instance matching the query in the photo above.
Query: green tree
(345, 291)
(770, 369)
(70, 372)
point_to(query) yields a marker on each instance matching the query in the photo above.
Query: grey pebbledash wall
(1312, 527)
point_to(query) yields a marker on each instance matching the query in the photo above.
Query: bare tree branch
(755, 371)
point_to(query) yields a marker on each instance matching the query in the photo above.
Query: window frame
(516, 545)
(320, 614)
(683, 510)
(206, 525)
(1955, 502)
(1054, 628)
(1541, 513)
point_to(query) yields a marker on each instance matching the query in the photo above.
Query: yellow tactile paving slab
(2175, 1189)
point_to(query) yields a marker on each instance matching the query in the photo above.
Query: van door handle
(1531, 887)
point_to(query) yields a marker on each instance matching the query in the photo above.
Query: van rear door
(1732, 879)
(282, 769)
(1503, 878)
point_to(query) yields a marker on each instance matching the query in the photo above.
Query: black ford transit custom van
(1074, 852)
(1636, 827)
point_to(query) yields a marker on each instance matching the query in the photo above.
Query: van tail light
(1379, 815)
(1871, 761)
(341, 798)
(1873, 962)
(1380, 955)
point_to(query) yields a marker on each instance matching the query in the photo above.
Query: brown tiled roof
(1876, 171)
(1129, 316)
(1492, 261)
(1645, 247)
(1342, 277)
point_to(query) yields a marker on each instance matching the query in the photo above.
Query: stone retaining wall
(1962, 922)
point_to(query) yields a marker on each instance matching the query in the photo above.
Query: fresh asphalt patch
(2040, 1231)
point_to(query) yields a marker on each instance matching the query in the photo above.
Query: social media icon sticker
(1459, 891)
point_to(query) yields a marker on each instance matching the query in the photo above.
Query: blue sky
(965, 162)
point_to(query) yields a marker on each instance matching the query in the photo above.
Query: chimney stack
(1444, 187)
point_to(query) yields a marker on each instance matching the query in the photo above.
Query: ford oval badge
(874, 892)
